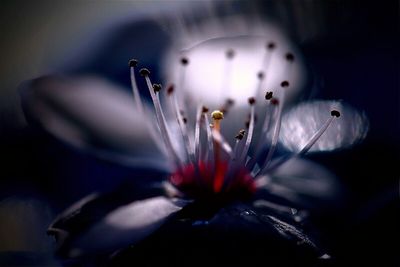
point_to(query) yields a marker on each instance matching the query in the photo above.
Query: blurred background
(351, 47)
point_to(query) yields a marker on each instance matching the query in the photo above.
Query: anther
(144, 72)
(289, 57)
(133, 63)
(205, 109)
(170, 89)
(270, 45)
(240, 135)
(157, 87)
(184, 61)
(285, 84)
(274, 101)
(268, 95)
(230, 53)
(230, 101)
(260, 75)
(335, 113)
(217, 115)
(252, 100)
(184, 120)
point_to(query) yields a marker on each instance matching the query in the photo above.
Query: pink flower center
(208, 180)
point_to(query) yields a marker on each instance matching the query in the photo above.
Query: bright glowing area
(303, 121)
(211, 76)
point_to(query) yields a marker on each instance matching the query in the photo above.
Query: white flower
(220, 145)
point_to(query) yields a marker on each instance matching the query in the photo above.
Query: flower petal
(301, 183)
(301, 122)
(235, 235)
(122, 226)
(92, 114)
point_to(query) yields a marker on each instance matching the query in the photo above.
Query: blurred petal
(301, 183)
(124, 226)
(301, 122)
(213, 82)
(92, 114)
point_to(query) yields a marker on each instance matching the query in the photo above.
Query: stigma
(213, 165)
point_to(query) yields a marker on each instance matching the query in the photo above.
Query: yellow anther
(217, 115)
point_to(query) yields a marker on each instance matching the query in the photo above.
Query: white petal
(127, 225)
(90, 113)
(301, 182)
(301, 122)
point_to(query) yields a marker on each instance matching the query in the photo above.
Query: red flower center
(208, 180)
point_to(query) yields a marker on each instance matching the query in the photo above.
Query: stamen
(309, 144)
(235, 154)
(319, 133)
(182, 76)
(210, 149)
(132, 64)
(160, 117)
(197, 133)
(274, 137)
(265, 66)
(182, 126)
(246, 147)
(139, 105)
(219, 141)
(262, 140)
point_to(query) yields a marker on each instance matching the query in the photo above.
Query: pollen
(217, 115)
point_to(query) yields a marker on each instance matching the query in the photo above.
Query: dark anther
(240, 135)
(204, 109)
(274, 101)
(270, 45)
(230, 53)
(133, 63)
(252, 100)
(335, 113)
(285, 84)
(157, 87)
(144, 72)
(268, 95)
(170, 89)
(184, 61)
(290, 57)
(260, 75)
(184, 120)
(230, 101)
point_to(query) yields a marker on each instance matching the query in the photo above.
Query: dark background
(350, 46)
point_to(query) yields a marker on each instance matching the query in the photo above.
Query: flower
(216, 170)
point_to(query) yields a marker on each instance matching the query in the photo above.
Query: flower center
(209, 168)
(210, 181)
